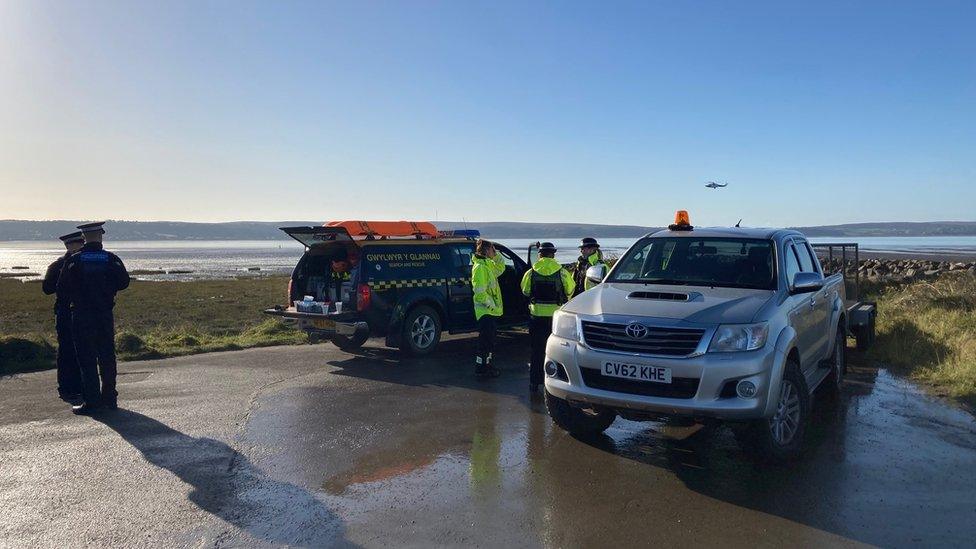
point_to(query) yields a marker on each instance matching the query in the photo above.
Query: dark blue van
(407, 290)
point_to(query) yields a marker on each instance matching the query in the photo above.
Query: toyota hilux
(719, 324)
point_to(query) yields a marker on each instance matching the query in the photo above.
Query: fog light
(746, 389)
(550, 368)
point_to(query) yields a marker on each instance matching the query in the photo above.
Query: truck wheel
(421, 331)
(780, 438)
(577, 421)
(350, 343)
(838, 368)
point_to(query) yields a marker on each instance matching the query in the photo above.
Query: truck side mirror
(805, 283)
(596, 273)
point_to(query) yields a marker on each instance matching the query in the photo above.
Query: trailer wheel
(421, 331)
(350, 343)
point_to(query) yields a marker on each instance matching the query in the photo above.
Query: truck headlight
(564, 325)
(739, 337)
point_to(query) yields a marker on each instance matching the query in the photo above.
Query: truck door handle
(813, 302)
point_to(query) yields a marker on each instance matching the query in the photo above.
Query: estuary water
(187, 260)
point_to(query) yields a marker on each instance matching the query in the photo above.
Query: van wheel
(780, 438)
(838, 367)
(421, 331)
(350, 343)
(577, 421)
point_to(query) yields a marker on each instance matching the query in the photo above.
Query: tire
(772, 440)
(578, 422)
(838, 367)
(421, 331)
(350, 343)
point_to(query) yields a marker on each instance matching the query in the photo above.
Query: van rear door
(310, 236)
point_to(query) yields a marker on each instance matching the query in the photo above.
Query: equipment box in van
(404, 281)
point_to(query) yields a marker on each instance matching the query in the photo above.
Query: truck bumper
(702, 379)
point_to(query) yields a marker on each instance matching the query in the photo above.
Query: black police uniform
(69, 375)
(546, 290)
(89, 281)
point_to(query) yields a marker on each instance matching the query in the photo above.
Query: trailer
(845, 258)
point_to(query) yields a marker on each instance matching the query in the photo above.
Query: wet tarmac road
(311, 446)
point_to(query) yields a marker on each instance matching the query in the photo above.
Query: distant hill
(262, 230)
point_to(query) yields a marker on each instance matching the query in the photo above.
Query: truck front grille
(680, 387)
(657, 341)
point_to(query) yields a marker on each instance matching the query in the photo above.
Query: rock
(932, 272)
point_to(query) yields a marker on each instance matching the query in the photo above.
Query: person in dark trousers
(590, 255)
(486, 266)
(548, 286)
(69, 375)
(89, 281)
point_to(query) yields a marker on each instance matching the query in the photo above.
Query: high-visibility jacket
(548, 268)
(579, 271)
(484, 284)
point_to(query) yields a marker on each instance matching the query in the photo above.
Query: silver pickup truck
(710, 324)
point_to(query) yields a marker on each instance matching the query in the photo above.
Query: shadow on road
(451, 365)
(226, 485)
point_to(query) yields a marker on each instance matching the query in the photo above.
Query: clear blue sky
(815, 113)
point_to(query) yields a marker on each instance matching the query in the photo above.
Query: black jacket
(91, 277)
(50, 284)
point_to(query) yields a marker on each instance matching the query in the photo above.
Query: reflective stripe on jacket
(547, 266)
(484, 284)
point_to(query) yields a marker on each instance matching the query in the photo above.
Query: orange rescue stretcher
(386, 228)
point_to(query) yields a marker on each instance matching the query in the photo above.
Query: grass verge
(153, 320)
(927, 332)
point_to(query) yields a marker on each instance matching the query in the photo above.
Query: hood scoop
(664, 296)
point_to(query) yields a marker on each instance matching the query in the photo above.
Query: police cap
(73, 237)
(547, 247)
(589, 242)
(95, 227)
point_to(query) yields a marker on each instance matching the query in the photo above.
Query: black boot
(110, 402)
(491, 370)
(480, 367)
(84, 409)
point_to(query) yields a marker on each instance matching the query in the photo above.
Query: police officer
(548, 285)
(590, 255)
(486, 266)
(89, 281)
(69, 376)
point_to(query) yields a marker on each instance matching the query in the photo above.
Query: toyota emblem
(636, 330)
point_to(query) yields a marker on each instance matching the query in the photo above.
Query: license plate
(324, 324)
(639, 372)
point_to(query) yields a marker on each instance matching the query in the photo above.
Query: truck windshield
(689, 261)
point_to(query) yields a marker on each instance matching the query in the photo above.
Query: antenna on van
(465, 223)
(739, 223)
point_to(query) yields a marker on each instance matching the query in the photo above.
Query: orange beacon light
(682, 221)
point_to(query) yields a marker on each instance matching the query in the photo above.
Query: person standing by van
(486, 266)
(548, 286)
(590, 255)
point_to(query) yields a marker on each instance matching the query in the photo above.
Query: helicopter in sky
(714, 185)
